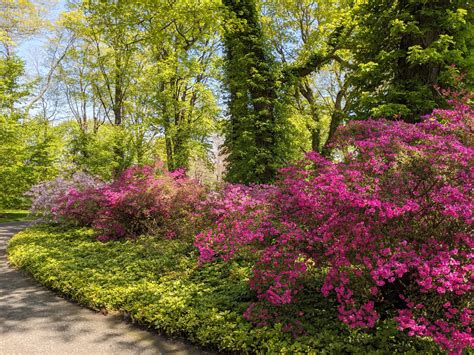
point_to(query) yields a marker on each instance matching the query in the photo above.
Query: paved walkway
(33, 320)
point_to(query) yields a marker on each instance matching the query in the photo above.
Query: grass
(158, 283)
(9, 215)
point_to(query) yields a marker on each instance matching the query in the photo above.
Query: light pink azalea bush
(389, 221)
(46, 197)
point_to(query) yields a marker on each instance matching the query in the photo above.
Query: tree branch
(49, 77)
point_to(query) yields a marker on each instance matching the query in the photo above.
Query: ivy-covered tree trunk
(251, 140)
(181, 151)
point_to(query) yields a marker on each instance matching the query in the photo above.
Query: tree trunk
(252, 139)
(118, 100)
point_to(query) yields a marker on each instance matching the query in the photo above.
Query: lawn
(159, 283)
(9, 215)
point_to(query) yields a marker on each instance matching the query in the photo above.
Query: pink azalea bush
(389, 220)
(143, 199)
(146, 199)
(235, 215)
(79, 206)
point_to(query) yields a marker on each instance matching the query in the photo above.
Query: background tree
(183, 42)
(147, 68)
(28, 149)
(126, 82)
(317, 101)
(403, 49)
(260, 87)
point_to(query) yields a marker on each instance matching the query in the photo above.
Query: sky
(33, 49)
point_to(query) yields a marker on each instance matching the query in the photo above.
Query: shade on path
(34, 320)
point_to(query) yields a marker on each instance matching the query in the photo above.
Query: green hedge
(159, 283)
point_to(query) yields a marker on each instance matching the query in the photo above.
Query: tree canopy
(225, 89)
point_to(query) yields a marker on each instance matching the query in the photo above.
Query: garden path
(34, 320)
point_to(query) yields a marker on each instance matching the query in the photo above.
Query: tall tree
(296, 29)
(251, 79)
(27, 148)
(403, 49)
(257, 86)
(149, 65)
(183, 42)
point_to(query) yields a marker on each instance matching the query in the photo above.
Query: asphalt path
(34, 320)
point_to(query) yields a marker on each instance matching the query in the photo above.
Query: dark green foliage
(159, 283)
(252, 133)
(403, 49)
(261, 90)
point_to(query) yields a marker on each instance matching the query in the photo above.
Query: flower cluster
(237, 214)
(389, 218)
(148, 199)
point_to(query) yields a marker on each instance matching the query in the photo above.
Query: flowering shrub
(142, 199)
(79, 206)
(148, 199)
(47, 196)
(237, 214)
(390, 221)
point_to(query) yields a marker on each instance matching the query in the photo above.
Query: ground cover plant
(160, 283)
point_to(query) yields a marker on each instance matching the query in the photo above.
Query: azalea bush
(79, 206)
(382, 229)
(48, 198)
(235, 215)
(388, 220)
(148, 199)
(143, 199)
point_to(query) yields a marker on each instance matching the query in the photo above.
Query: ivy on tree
(402, 50)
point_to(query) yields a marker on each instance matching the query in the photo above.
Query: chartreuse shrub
(388, 222)
(160, 283)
